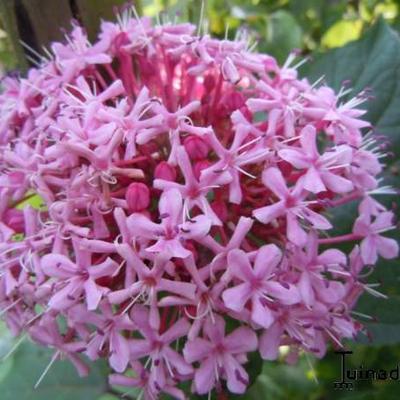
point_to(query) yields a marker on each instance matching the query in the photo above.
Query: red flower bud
(196, 147)
(14, 219)
(165, 171)
(137, 196)
(199, 166)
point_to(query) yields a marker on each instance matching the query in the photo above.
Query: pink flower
(165, 362)
(322, 170)
(233, 160)
(282, 107)
(172, 230)
(220, 356)
(373, 244)
(311, 284)
(77, 278)
(108, 334)
(47, 334)
(130, 120)
(141, 379)
(342, 121)
(194, 191)
(291, 204)
(78, 53)
(259, 285)
(148, 284)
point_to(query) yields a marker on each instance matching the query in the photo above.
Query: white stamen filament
(373, 292)
(14, 347)
(53, 359)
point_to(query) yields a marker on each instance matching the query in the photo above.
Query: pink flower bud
(137, 196)
(229, 71)
(196, 147)
(14, 219)
(199, 166)
(165, 171)
(234, 101)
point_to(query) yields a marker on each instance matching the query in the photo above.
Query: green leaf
(6, 344)
(108, 397)
(34, 201)
(342, 32)
(60, 383)
(281, 381)
(283, 34)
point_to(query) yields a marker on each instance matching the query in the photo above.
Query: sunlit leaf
(342, 32)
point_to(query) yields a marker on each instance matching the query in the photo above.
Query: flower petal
(197, 227)
(261, 314)
(270, 341)
(140, 225)
(295, 157)
(286, 295)
(369, 250)
(294, 232)
(387, 247)
(268, 257)
(306, 290)
(308, 136)
(273, 179)
(178, 329)
(204, 377)
(241, 340)
(269, 213)
(336, 183)
(237, 377)
(312, 181)
(58, 266)
(236, 298)
(93, 294)
(171, 205)
(214, 329)
(119, 352)
(197, 349)
(177, 361)
(239, 265)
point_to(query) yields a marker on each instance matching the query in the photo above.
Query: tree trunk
(37, 23)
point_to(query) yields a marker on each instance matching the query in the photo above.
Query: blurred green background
(354, 40)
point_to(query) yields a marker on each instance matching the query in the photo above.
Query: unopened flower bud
(235, 101)
(165, 171)
(14, 219)
(137, 196)
(196, 147)
(229, 71)
(199, 166)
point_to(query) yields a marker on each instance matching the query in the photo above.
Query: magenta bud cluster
(188, 189)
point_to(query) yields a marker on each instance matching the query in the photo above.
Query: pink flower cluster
(187, 184)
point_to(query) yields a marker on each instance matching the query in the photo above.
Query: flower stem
(339, 239)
